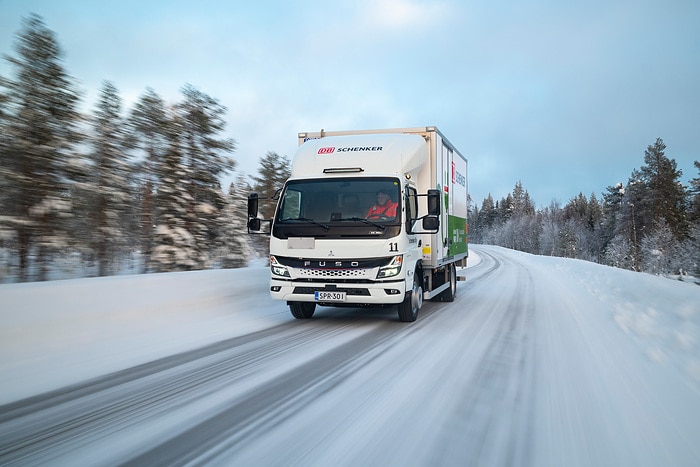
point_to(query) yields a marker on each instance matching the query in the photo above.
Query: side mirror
(433, 203)
(431, 223)
(253, 206)
(254, 224)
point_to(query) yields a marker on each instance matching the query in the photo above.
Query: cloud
(401, 16)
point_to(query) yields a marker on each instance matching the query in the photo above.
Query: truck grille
(334, 273)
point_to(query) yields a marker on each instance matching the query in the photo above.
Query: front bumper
(375, 293)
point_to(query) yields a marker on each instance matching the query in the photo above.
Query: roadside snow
(61, 332)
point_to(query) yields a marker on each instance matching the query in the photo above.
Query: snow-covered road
(538, 361)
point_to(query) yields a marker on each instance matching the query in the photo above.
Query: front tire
(408, 309)
(302, 310)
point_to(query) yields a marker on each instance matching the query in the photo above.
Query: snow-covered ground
(610, 360)
(60, 332)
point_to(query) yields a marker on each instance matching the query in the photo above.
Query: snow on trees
(273, 171)
(103, 197)
(41, 127)
(149, 132)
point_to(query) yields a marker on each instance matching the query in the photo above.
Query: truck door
(414, 250)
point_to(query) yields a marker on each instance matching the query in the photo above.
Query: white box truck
(368, 218)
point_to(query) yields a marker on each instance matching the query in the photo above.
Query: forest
(116, 190)
(651, 223)
(138, 190)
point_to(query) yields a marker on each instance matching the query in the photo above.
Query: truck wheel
(449, 294)
(408, 309)
(302, 310)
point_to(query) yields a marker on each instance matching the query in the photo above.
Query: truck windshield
(373, 202)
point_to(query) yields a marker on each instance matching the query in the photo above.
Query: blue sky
(563, 96)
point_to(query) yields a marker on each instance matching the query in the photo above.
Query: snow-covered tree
(235, 249)
(620, 253)
(694, 195)
(634, 220)
(273, 171)
(105, 196)
(551, 219)
(150, 132)
(41, 130)
(612, 202)
(690, 251)
(206, 157)
(175, 247)
(666, 195)
(660, 250)
(580, 225)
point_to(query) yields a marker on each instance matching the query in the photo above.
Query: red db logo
(326, 150)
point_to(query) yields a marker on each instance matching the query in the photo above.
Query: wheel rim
(416, 297)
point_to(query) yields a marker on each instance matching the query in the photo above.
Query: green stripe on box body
(457, 230)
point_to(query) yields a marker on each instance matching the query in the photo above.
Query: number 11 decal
(393, 247)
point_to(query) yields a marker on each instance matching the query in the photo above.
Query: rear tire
(449, 294)
(302, 310)
(413, 301)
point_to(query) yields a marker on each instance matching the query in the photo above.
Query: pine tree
(107, 187)
(487, 218)
(551, 219)
(528, 205)
(41, 121)
(518, 204)
(595, 218)
(175, 248)
(7, 190)
(488, 210)
(694, 195)
(634, 219)
(612, 203)
(236, 248)
(666, 195)
(206, 158)
(273, 171)
(660, 250)
(149, 131)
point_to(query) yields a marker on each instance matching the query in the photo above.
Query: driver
(385, 207)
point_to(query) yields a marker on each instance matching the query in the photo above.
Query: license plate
(329, 296)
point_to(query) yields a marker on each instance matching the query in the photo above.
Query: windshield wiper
(366, 221)
(305, 219)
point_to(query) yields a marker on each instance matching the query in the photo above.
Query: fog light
(276, 288)
(392, 291)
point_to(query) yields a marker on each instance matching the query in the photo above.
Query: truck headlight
(278, 269)
(392, 269)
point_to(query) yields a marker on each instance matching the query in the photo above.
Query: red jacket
(388, 210)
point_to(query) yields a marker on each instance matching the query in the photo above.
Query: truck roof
(376, 154)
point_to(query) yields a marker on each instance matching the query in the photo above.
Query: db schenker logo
(329, 150)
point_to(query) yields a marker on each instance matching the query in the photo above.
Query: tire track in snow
(497, 403)
(59, 423)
